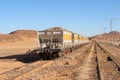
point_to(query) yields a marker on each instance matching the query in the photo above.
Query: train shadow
(25, 58)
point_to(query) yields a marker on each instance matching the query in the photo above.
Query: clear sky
(86, 17)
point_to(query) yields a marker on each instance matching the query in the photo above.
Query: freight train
(56, 41)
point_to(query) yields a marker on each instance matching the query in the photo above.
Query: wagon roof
(57, 29)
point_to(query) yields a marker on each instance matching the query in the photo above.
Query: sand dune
(18, 42)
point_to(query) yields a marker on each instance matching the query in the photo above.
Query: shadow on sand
(25, 58)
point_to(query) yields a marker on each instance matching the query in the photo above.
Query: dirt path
(86, 66)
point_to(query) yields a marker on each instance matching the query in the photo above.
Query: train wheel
(60, 54)
(71, 50)
(41, 56)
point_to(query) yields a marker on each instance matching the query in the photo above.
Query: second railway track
(107, 66)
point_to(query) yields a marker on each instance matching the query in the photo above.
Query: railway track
(108, 68)
(24, 70)
(111, 56)
(65, 67)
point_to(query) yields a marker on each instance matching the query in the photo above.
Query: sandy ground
(7, 50)
(17, 48)
(9, 65)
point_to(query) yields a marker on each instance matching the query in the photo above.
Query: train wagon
(54, 41)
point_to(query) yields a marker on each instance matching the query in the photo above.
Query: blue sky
(86, 17)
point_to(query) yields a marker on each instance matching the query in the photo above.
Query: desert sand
(15, 44)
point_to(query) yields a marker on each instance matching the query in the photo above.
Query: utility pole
(111, 23)
(38, 42)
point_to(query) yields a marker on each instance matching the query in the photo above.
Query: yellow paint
(67, 37)
(82, 38)
(75, 37)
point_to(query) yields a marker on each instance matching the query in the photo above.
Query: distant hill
(19, 35)
(108, 37)
(0, 33)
